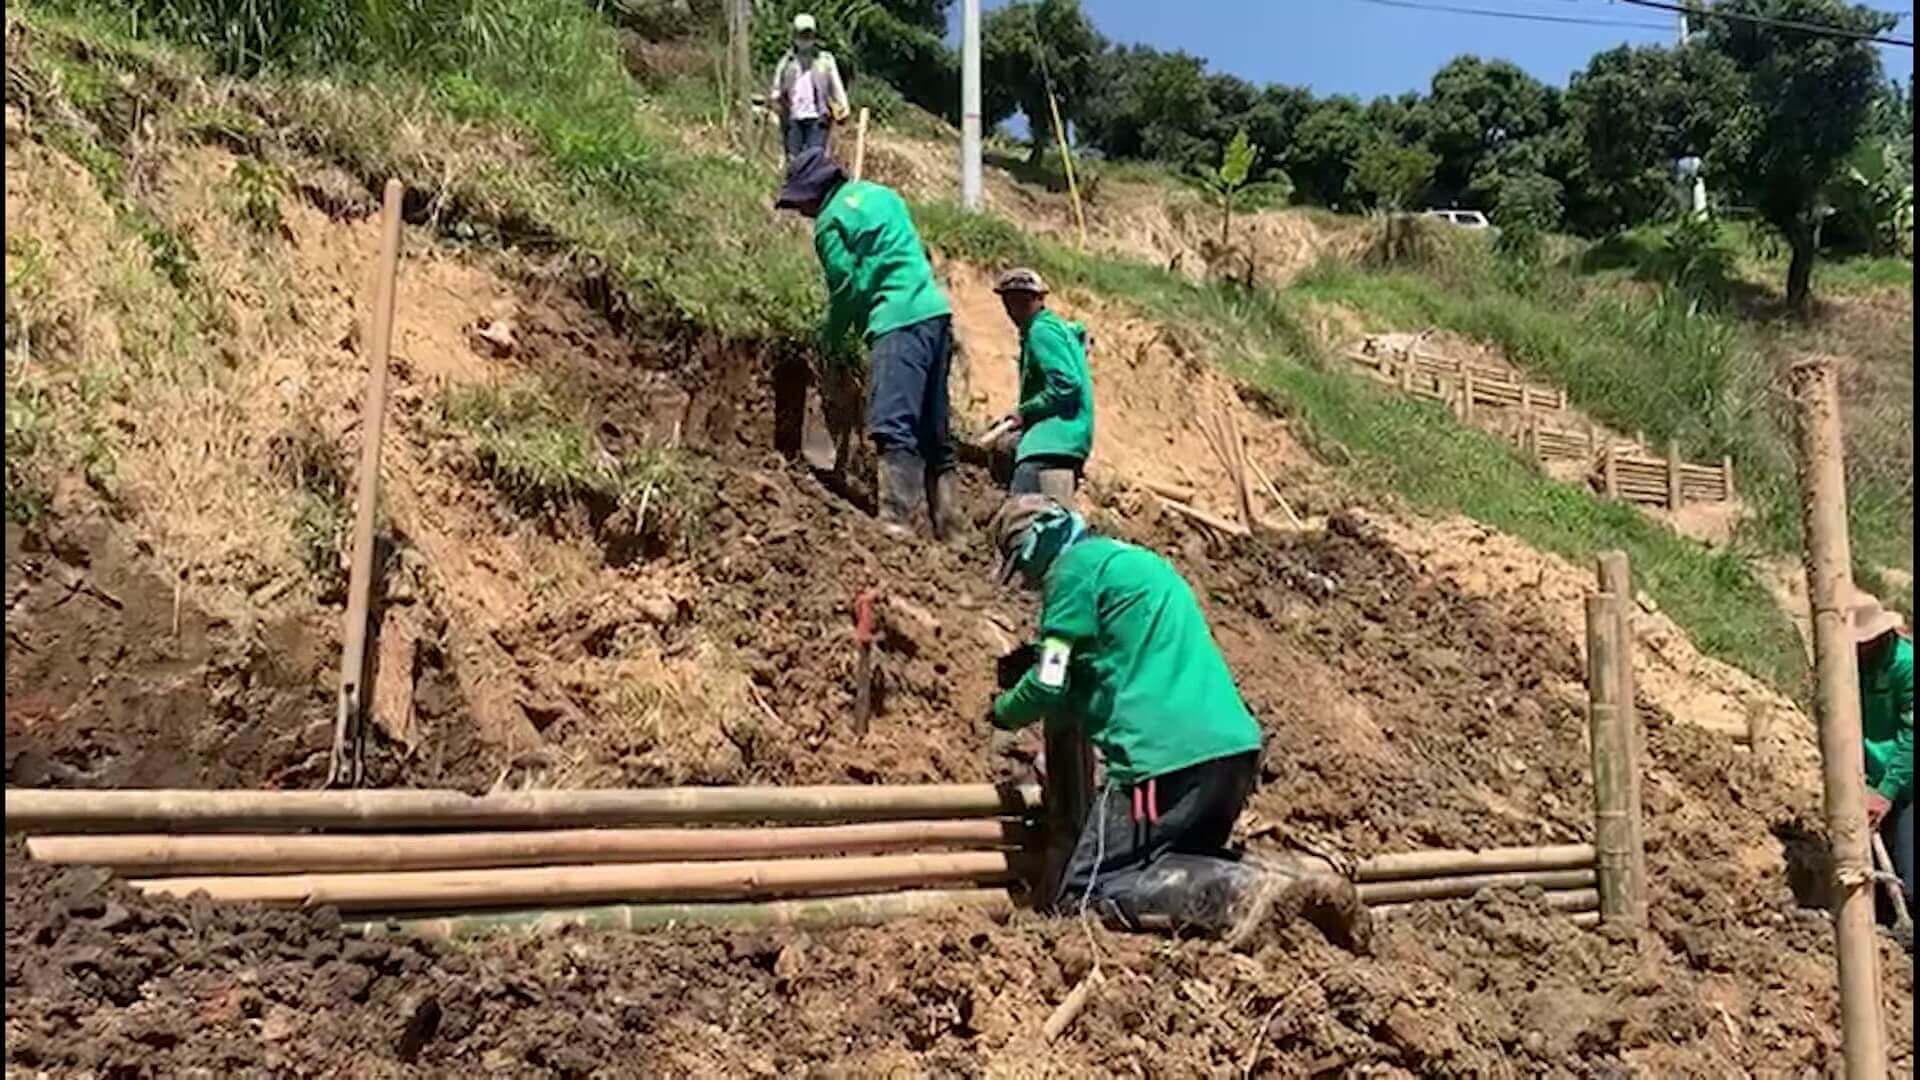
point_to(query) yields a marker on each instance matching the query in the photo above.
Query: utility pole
(970, 104)
(1697, 196)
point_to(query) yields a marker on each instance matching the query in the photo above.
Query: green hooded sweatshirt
(878, 277)
(1886, 720)
(1056, 392)
(1145, 680)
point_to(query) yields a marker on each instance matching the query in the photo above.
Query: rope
(1099, 859)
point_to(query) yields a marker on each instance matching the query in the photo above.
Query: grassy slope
(535, 132)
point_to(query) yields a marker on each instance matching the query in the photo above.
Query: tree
(1027, 46)
(1391, 175)
(1809, 98)
(1325, 146)
(1475, 108)
(1635, 111)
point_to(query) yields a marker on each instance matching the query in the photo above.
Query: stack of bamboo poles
(1667, 482)
(1394, 884)
(837, 855)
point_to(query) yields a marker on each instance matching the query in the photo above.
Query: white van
(1466, 219)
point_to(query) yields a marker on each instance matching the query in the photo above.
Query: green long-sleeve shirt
(1145, 680)
(1056, 391)
(878, 277)
(1886, 720)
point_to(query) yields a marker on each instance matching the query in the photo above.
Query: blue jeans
(1055, 475)
(803, 135)
(907, 392)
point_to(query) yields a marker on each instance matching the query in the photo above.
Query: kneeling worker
(1125, 653)
(1886, 727)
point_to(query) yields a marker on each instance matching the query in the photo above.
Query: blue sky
(1367, 49)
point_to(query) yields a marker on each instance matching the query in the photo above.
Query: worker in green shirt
(880, 288)
(1052, 429)
(1886, 727)
(1125, 653)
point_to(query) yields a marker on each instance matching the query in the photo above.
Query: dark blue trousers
(907, 406)
(803, 135)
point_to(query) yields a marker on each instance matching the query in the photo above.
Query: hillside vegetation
(539, 126)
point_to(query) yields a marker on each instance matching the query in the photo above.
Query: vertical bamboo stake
(1242, 486)
(1615, 579)
(1466, 394)
(1675, 497)
(1726, 477)
(1612, 834)
(1829, 585)
(1406, 375)
(1066, 796)
(1591, 445)
(1612, 470)
(1533, 437)
(345, 766)
(1526, 400)
(860, 144)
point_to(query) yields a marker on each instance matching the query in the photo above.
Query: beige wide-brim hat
(1868, 619)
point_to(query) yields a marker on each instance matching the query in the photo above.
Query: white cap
(804, 24)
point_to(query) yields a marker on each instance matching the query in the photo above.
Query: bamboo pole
(1068, 788)
(1569, 900)
(414, 890)
(1586, 918)
(1444, 888)
(1726, 476)
(1614, 574)
(1066, 165)
(1675, 497)
(347, 763)
(1273, 490)
(1231, 528)
(1429, 864)
(1829, 588)
(1175, 492)
(1612, 470)
(860, 144)
(1237, 446)
(164, 854)
(1613, 833)
(36, 810)
(866, 909)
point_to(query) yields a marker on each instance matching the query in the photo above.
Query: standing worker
(1052, 428)
(1125, 654)
(1886, 727)
(881, 287)
(807, 92)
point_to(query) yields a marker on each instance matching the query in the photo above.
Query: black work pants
(907, 406)
(1144, 850)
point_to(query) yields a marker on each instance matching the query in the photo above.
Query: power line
(1521, 16)
(1816, 29)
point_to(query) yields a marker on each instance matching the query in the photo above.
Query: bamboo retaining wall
(1535, 419)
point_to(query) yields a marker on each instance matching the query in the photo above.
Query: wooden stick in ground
(1830, 588)
(51, 811)
(1231, 528)
(1273, 492)
(1611, 837)
(1179, 493)
(860, 144)
(346, 764)
(867, 909)
(1237, 446)
(1433, 864)
(537, 886)
(159, 854)
(1071, 1006)
(1614, 574)
(1440, 888)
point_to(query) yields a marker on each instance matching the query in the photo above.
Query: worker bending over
(1052, 429)
(1886, 727)
(807, 92)
(881, 287)
(1124, 652)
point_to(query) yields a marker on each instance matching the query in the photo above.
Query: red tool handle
(863, 616)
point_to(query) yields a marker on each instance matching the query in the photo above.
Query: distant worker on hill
(1125, 654)
(881, 287)
(1886, 723)
(1052, 427)
(807, 92)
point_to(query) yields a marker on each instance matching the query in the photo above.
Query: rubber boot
(1297, 886)
(1237, 901)
(903, 491)
(943, 507)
